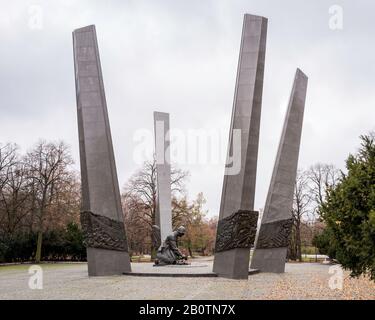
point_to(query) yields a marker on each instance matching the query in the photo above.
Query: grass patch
(141, 259)
(309, 250)
(46, 265)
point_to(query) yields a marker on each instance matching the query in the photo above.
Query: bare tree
(141, 188)
(48, 169)
(10, 189)
(140, 193)
(14, 198)
(301, 202)
(309, 194)
(8, 158)
(321, 177)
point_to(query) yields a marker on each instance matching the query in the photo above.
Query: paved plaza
(70, 281)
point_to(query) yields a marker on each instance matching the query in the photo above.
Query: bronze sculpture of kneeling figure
(168, 252)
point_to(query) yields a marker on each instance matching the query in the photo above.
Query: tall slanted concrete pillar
(238, 220)
(163, 172)
(101, 217)
(273, 236)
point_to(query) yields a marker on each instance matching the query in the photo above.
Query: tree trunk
(38, 253)
(189, 248)
(153, 252)
(298, 241)
(292, 251)
(153, 222)
(190, 251)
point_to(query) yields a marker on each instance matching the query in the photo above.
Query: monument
(273, 236)
(237, 219)
(168, 252)
(163, 217)
(101, 216)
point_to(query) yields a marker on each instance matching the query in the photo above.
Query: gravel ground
(70, 281)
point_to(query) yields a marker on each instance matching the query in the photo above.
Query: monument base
(269, 260)
(193, 270)
(233, 264)
(102, 262)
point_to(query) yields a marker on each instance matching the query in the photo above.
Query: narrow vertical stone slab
(163, 171)
(101, 217)
(273, 236)
(232, 251)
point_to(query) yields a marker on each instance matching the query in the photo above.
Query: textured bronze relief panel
(103, 232)
(237, 231)
(275, 234)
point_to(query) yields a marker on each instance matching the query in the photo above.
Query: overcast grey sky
(181, 57)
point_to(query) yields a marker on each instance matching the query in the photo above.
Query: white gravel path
(70, 281)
